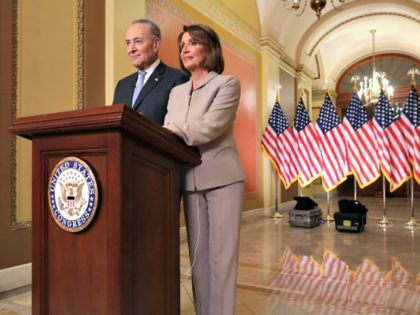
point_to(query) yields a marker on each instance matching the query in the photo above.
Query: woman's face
(193, 54)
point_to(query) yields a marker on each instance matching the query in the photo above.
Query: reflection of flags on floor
(278, 142)
(337, 279)
(392, 151)
(410, 125)
(366, 285)
(311, 279)
(308, 155)
(401, 290)
(333, 148)
(330, 288)
(361, 143)
(398, 276)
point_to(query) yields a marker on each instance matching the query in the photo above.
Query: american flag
(361, 143)
(278, 142)
(410, 124)
(308, 155)
(333, 148)
(393, 155)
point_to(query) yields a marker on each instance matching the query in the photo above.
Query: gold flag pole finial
(278, 88)
(300, 90)
(328, 83)
(355, 79)
(413, 72)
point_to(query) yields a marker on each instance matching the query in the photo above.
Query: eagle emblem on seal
(71, 198)
(72, 194)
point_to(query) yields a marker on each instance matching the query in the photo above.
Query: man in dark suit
(147, 90)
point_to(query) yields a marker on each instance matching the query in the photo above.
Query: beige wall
(14, 241)
(58, 64)
(74, 59)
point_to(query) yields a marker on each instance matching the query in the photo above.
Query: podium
(126, 261)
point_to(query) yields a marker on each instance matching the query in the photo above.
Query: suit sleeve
(116, 98)
(218, 118)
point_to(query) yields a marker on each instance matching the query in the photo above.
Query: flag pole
(355, 79)
(277, 214)
(300, 89)
(329, 218)
(384, 220)
(355, 188)
(412, 223)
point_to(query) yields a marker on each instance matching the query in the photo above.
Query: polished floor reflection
(296, 271)
(285, 270)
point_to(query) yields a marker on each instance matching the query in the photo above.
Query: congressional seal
(72, 194)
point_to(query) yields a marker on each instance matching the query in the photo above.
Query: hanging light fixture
(299, 6)
(370, 88)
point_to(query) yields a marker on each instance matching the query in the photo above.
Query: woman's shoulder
(186, 86)
(227, 79)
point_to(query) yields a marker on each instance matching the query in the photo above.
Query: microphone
(188, 98)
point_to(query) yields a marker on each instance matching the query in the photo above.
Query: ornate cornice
(182, 15)
(288, 65)
(217, 11)
(168, 6)
(305, 72)
(273, 48)
(269, 45)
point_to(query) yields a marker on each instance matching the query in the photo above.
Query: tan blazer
(204, 118)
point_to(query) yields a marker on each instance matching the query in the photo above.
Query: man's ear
(156, 44)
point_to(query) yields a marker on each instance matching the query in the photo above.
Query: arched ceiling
(342, 37)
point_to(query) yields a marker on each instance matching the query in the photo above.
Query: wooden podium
(127, 260)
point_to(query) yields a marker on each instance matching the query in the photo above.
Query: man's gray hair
(154, 29)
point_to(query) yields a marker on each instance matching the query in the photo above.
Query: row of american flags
(333, 149)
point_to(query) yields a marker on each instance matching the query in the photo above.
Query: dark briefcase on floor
(351, 217)
(305, 214)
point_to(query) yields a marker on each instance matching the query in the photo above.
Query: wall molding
(15, 224)
(363, 16)
(273, 48)
(15, 277)
(217, 11)
(80, 54)
(80, 57)
(170, 7)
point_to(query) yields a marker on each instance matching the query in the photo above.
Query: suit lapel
(210, 76)
(153, 80)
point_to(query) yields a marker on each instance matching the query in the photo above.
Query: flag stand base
(277, 215)
(412, 223)
(384, 221)
(329, 218)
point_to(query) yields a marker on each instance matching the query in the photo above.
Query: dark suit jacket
(153, 98)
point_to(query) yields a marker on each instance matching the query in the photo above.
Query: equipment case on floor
(349, 222)
(305, 218)
(351, 217)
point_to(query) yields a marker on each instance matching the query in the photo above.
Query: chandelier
(370, 88)
(298, 6)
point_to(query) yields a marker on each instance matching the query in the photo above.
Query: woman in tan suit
(202, 112)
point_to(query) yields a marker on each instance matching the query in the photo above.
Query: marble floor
(297, 271)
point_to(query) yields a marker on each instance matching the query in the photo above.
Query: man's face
(142, 46)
